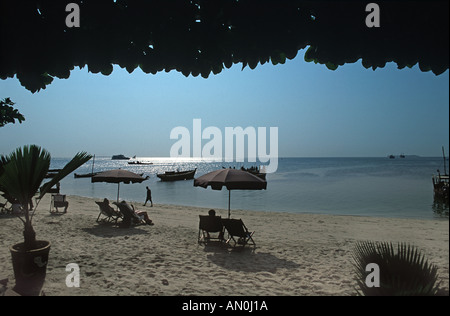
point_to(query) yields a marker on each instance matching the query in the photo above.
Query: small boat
(119, 157)
(177, 175)
(402, 156)
(391, 157)
(441, 182)
(52, 172)
(139, 163)
(87, 175)
(255, 171)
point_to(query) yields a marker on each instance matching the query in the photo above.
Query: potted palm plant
(21, 176)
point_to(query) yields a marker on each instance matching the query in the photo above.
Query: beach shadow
(246, 259)
(8, 216)
(56, 214)
(108, 231)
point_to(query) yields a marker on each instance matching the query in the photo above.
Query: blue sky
(350, 112)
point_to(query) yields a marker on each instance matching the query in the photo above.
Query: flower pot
(30, 267)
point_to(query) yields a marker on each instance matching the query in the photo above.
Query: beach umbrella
(118, 176)
(232, 179)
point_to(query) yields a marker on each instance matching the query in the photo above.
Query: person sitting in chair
(127, 220)
(142, 214)
(212, 213)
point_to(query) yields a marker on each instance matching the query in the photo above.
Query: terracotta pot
(30, 267)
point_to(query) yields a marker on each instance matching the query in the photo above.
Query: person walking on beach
(149, 196)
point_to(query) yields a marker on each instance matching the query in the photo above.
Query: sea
(376, 187)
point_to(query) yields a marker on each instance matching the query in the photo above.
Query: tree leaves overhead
(200, 37)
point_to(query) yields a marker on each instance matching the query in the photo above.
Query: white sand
(296, 254)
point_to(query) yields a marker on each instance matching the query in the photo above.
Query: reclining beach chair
(237, 229)
(110, 215)
(4, 209)
(129, 216)
(207, 225)
(58, 200)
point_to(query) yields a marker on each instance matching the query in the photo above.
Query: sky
(349, 112)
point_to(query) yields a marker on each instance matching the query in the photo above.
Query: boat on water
(87, 175)
(391, 157)
(120, 157)
(137, 162)
(52, 172)
(256, 171)
(177, 175)
(441, 182)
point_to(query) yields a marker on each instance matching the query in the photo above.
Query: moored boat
(52, 172)
(177, 175)
(137, 162)
(85, 175)
(256, 171)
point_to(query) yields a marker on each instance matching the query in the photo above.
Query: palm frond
(404, 270)
(77, 161)
(23, 172)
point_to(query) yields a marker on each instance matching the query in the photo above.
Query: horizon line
(246, 158)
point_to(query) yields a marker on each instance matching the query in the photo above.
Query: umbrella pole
(229, 198)
(118, 190)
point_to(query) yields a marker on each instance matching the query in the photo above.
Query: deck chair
(237, 229)
(129, 216)
(4, 209)
(58, 200)
(108, 214)
(207, 225)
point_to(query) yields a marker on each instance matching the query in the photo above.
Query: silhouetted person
(149, 196)
(212, 213)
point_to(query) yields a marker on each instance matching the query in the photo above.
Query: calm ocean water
(379, 187)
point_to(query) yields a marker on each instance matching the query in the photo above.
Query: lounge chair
(4, 209)
(58, 200)
(129, 216)
(110, 215)
(237, 229)
(207, 225)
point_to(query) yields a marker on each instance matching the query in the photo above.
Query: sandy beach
(295, 254)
